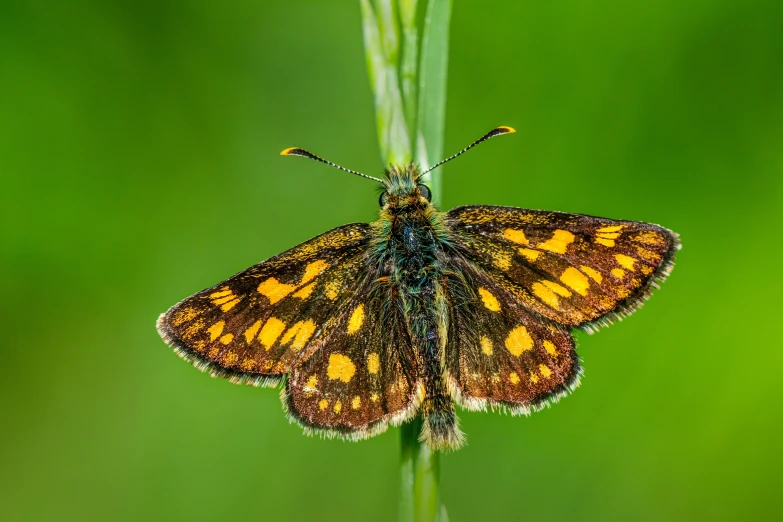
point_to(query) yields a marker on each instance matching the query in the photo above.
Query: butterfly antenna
(295, 151)
(499, 131)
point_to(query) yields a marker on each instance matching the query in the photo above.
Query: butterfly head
(402, 188)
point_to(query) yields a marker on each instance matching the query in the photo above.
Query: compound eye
(383, 199)
(425, 192)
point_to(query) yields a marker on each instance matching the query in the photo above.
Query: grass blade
(433, 72)
(381, 51)
(409, 60)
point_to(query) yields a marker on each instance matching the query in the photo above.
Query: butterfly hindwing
(500, 354)
(362, 374)
(573, 269)
(253, 326)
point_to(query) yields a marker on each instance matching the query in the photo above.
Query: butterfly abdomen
(417, 273)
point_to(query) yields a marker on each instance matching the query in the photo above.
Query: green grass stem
(409, 86)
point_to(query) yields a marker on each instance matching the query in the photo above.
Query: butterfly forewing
(255, 325)
(570, 268)
(499, 353)
(362, 376)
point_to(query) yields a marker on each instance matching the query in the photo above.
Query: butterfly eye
(425, 192)
(383, 199)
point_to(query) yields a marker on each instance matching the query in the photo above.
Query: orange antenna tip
(291, 151)
(508, 130)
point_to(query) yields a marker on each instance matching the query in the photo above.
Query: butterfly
(370, 325)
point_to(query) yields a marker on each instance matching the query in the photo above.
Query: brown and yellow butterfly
(371, 324)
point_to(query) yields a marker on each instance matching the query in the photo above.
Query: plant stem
(420, 478)
(433, 72)
(382, 49)
(410, 107)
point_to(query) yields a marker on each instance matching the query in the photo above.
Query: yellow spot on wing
(486, 346)
(338, 406)
(614, 228)
(313, 269)
(323, 404)
(247, 364)
(648, 255)
(271, 331)
(545, 371)
(215, 330)
(550, 348)
(605, 236)
(546, 295)
(356, 403)
(300, 333)
(312, 383)
(501, 260)
(230, 358)
(533, 378)
(193, 328)
(227, 338)
(251, 332)
(518, 341)
(513, 378)
(649, 238)
(559, 242)
(184, 315)
(490, 301)
(515, 236)
(356, 320)
(556, 288)
(340, 367)
(274, 290)
(625, 261)
(530, 254)
(576, 280)
(224, 299)
(304, 292)
(223, 292)
(594, 274)
(618, 273)
(374, 397)
(332, 289)
(231, 304)
(373, 363)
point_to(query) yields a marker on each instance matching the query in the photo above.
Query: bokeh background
(139, 159)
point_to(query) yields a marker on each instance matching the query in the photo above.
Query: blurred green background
(139, 147)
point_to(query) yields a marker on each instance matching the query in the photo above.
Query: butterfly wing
(521, 279)
(362, 376)
(319, 312)
(573, 269)
(499, 353)
(253, 326)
